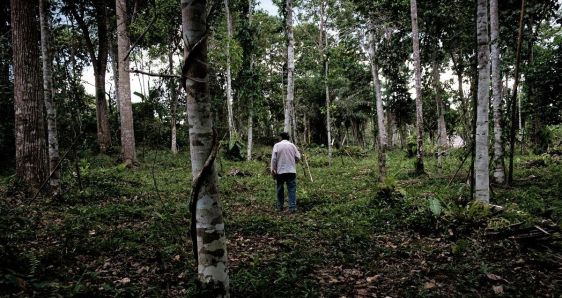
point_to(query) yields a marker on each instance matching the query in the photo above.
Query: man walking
(283, 168)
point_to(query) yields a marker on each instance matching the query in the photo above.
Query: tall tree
(47, 58)
(442, 138)
(31, 153)
(250, 132)
(229, 99)
(289, 104)
(174, 101)
(382, 141)
(481, 161)
(498, 163)
(513, 102)
(98, 55)
(124, 85)
(324, 53)
(210, 244)
(417, 71)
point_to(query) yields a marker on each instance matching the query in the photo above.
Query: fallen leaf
(430, 284)
(124, 280)
(498, 289)
(493, 276)
(373, 278)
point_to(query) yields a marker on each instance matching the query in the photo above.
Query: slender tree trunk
(211, 240)
(47, 57)
(251, 99)
(99, 62)
(115, 70)
(498, 162)
(417, 70)
(442, 138)
(174, 103)
(229, 99)
(31, 153)
(481, 163)
(124, 87)
(382, 142)
(324, 52)
(514, 96)
(289, 107)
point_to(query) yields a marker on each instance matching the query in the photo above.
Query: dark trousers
(291, 180)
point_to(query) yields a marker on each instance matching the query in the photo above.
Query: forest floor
(352, 237)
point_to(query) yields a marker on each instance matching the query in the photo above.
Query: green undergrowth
(122, 232)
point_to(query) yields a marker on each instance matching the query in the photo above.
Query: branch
(140, 37)
(161, 75)
(56, 167)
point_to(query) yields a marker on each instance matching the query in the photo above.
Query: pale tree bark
(417, 71)
(499, 166)
(289, 107)
(250, 133)
(47, 58)
(124, 86)
(31, 153)
(442, 138)
(99, 62)
(211, 241)
(229, 99)
(481, 161)
(513, 102)
(380, 112)
(173, 102)
(324, 53)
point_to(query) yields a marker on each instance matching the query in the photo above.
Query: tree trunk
(289, 107)
(417, 70)
(498, 162)
(99, 62)
(173, 102)
(514, 96)
(382, 142)
(124, 87)
(324, 52)
(47, 57)
(251, 99)
(229, 99)
(115, 70)
(481, 162)
(211, 241)
(442, 138)
(31, 153)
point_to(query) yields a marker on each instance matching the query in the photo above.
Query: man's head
(284, 135)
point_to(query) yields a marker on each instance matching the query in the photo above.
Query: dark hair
(284, 135)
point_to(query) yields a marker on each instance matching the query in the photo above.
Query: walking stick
(306, 163)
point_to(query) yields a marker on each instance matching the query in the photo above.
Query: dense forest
(136, 148)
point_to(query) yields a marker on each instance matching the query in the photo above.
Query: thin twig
(459, 168)
(56, 167)
(161, 75)
(140, 37)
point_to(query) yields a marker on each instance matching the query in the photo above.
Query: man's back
(284, 157)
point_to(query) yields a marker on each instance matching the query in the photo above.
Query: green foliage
(118, 228)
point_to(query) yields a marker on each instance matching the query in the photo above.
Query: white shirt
(284, 157)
